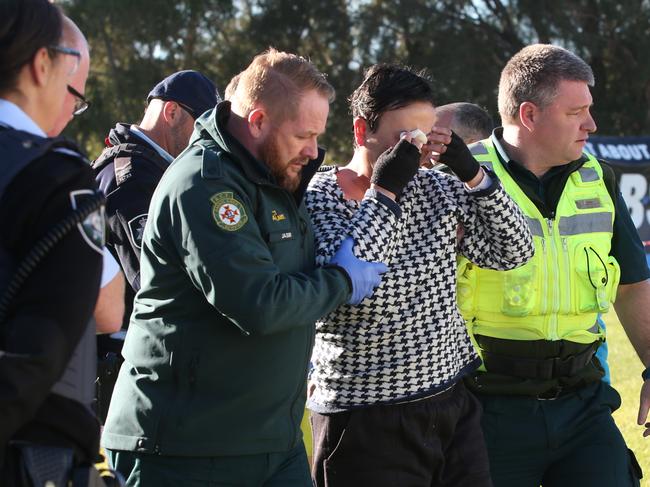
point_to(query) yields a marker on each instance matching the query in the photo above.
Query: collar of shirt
(497, 135)
(12, 116)
(255, 169)
(511, 164)
(163, 153)
(545, 191)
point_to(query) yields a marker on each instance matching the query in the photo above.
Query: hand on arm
(364, 276)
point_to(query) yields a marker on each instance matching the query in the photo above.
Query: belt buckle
(556, 391)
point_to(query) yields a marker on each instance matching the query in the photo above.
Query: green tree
(464, 44)
(135, 44)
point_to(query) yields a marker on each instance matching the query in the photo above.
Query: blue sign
(630, 158)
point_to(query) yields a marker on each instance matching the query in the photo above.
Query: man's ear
(41, 67)
(171, 112)
(360, 127)
(258, 122)
(528, 115)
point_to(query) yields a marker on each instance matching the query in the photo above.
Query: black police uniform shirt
(128, 181)
(52, 309)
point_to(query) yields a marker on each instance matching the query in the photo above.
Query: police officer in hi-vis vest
(547, 415)
(50, 253)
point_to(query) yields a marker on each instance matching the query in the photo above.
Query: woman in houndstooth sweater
(388, 404)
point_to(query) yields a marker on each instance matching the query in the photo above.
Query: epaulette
(18, 149)
(211, 163)
(121, 156)
(68, 151)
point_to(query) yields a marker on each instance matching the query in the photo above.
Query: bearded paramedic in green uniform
(213, 386)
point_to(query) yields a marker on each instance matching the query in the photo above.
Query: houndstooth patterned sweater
(408, 340)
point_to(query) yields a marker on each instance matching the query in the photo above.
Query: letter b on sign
(634, 188)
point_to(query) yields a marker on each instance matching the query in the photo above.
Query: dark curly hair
(387, 87)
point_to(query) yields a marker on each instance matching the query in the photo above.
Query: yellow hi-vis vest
(571, 278)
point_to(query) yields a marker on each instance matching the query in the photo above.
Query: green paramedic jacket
(218, 346)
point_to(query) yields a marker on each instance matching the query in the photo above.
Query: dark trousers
(571, 441)
(286, 469)
(431, 442)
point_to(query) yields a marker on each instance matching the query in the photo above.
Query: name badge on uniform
(280, 236)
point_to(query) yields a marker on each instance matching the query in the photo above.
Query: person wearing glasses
(128, 171)
(109, 309)
(49, 201)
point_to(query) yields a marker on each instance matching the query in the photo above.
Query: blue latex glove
(364, 276)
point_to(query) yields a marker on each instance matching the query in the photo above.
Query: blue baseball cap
(192, 90)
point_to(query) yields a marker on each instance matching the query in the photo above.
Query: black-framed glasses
(70, 52)
(80, 102)
(182, 105)
(187, 109)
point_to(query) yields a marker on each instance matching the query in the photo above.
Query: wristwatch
(646, 374)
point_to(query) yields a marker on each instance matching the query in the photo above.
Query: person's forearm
(633, 310)
(109, 310)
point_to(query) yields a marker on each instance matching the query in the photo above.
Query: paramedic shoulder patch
(228, 213)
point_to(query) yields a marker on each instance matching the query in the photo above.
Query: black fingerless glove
(396, 167)
(459, 159)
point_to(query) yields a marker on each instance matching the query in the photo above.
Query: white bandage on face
(418, 138)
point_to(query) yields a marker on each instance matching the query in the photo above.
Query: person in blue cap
(128, 170)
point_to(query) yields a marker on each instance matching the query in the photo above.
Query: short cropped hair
(277, 80)
(533, 75)
(387, 87)
(469, 121)
(229, 92)
(25, 27)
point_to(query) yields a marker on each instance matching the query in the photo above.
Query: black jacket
(51, 311)
(127, 171)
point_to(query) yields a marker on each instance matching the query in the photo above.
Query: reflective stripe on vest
(570, 279)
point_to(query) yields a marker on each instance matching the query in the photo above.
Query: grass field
(626, 371)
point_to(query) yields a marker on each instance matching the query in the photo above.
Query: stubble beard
(279, 169)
